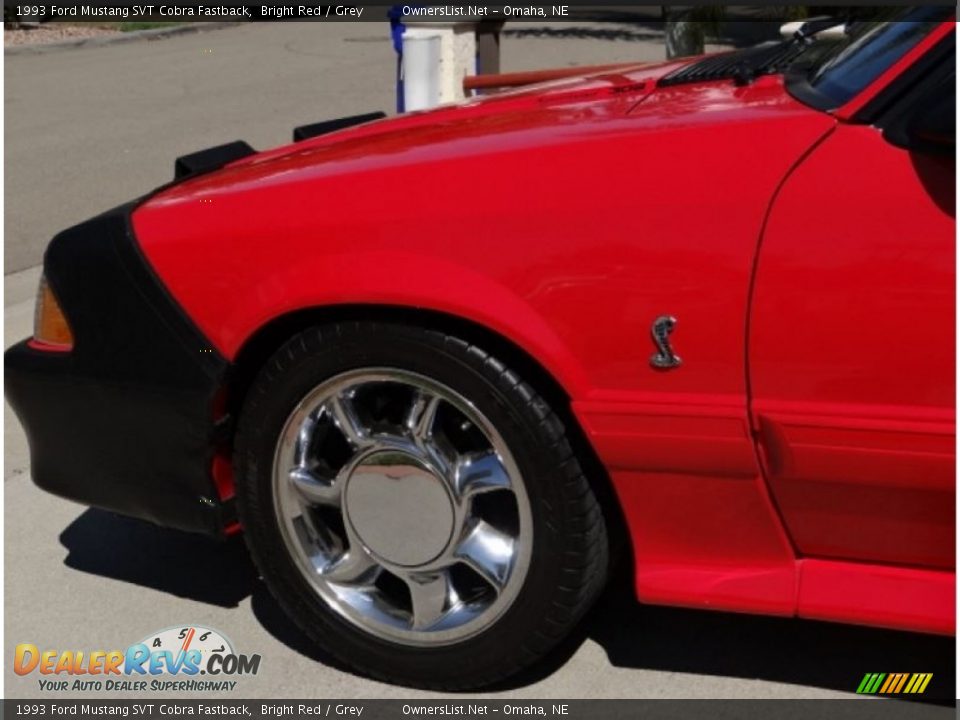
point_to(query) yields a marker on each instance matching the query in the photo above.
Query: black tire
(569, 561)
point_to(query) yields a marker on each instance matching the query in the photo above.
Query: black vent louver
(742, 66)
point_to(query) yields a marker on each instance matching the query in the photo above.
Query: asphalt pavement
(89, 128)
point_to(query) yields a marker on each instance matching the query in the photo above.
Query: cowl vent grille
(742, 65)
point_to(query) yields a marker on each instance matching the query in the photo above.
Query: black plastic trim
(796, 81)
(210, 159)
(125, 420)
(304, 132)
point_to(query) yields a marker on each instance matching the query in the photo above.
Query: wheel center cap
(399, 507)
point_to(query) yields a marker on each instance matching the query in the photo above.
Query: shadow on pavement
(786, 650)
(189, 566)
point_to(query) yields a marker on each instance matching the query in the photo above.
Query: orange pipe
(484, 82)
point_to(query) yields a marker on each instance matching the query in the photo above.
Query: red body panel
(894, 597)
(852, 372)
(388, 218)
(566, 218)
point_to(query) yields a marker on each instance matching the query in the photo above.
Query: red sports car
(436, 366)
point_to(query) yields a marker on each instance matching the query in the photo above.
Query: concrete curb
(118, 38)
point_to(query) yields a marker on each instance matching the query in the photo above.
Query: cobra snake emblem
(665, 358)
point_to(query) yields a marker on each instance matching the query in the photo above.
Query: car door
(851, 339)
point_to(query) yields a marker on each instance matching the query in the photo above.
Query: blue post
(396, 33)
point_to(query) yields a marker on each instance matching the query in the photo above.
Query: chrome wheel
(402, 506)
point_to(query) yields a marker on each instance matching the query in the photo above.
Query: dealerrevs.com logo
(177, 659)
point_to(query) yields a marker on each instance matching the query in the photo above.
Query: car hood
(559, 113)
(482, 124)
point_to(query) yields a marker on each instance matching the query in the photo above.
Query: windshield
(831, 74)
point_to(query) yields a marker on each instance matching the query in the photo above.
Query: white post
(421, 69)
(453, 56)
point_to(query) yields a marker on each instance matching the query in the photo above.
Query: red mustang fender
(581, 223)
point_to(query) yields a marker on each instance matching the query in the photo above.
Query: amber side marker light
(50, 328)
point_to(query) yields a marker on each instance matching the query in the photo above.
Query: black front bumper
(126, 420)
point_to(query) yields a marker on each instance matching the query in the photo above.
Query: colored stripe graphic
(894, 683)
(903, 680)
(876, 683)
(867, 682)
(921, 678)
(886, 685)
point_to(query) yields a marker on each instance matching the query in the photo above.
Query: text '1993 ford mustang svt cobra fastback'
(698, 315)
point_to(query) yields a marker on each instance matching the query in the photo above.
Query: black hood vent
(741, 66)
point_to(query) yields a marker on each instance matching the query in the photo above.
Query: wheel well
(258, 349)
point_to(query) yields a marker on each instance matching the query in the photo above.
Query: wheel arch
(257, 349)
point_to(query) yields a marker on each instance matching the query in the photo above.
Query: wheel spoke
(479, 473)
(344, 416)
(488, 551)
(320, 543)
(355, 567)
(313, 489)
(421, 416)
(431, 595)
(304, 439)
